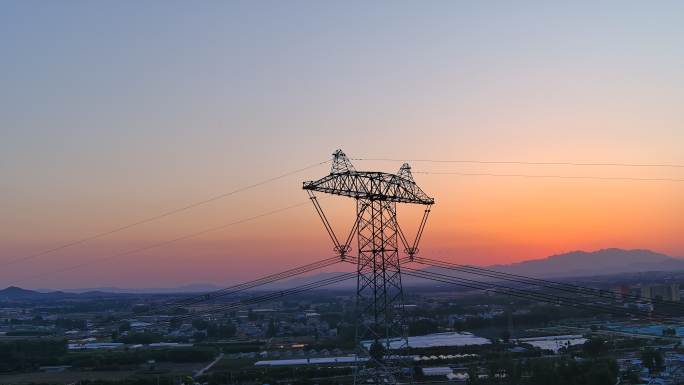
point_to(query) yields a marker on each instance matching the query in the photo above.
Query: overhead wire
(633, 179)
(436, 277)
(522, 293)
(281, 176)
(271, 296)
(279, 293)
(160, 215)
(211, 199)
(241, 287)
(160, 244)
(562, 286)
(528, 294)
(530, 163)
(499, 289)
(196, 204)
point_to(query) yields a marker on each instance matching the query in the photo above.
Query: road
(204, 369)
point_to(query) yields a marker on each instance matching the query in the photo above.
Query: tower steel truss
(381, 331)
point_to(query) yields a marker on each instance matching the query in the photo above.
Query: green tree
(595, 346)
(652, 359)
(124, 326)
(200, 324)
(176, 322)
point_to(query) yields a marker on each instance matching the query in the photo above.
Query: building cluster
(665, 292)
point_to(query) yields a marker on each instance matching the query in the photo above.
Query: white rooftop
(304, 361)
(439, 339)
(554, 343)
(437, 371)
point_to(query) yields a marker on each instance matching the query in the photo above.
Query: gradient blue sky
(114, 111)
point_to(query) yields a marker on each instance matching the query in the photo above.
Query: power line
(526, 294)
(517, 278)
(279, 293)
(437, 277)
(523, 294)
(164, 243)
(237, 288)
(273, 295)
(281, 176)
(612, 164)
(550, 297)
(550, 176)
(161, 215)
(444, 278)
(234, 289)
(268, 296)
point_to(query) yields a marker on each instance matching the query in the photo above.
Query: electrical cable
(611, 164)
(501, 289)
(633, 179)
(159, 244)
(277, 294)
(234, 289)
(511, 292)
(271, 296)
(539, 282)
(160, 216)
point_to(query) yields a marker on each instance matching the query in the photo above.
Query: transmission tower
(381, 330)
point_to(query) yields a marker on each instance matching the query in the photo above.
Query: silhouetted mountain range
(573, 264)
(14, 291)
(601, 262)
(193, 288)
(17, 293)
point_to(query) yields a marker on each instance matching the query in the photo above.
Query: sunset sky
(113, 112)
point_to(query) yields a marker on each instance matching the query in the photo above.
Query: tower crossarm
(371, 185)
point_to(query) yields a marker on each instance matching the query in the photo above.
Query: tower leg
(381, 333)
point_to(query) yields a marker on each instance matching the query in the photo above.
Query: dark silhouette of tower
(381, 331)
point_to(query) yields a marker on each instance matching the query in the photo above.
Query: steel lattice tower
(381, 331)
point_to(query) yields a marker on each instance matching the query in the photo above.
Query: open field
(162, 368)
(63, 377)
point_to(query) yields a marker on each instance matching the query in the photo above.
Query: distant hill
(194, 288)
(601, 262)
(14, 293)
(307, 279)
(573, 264)
(17, 292)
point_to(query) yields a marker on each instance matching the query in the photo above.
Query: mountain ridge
(578, 263)
(599, 262)
(610, 261)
